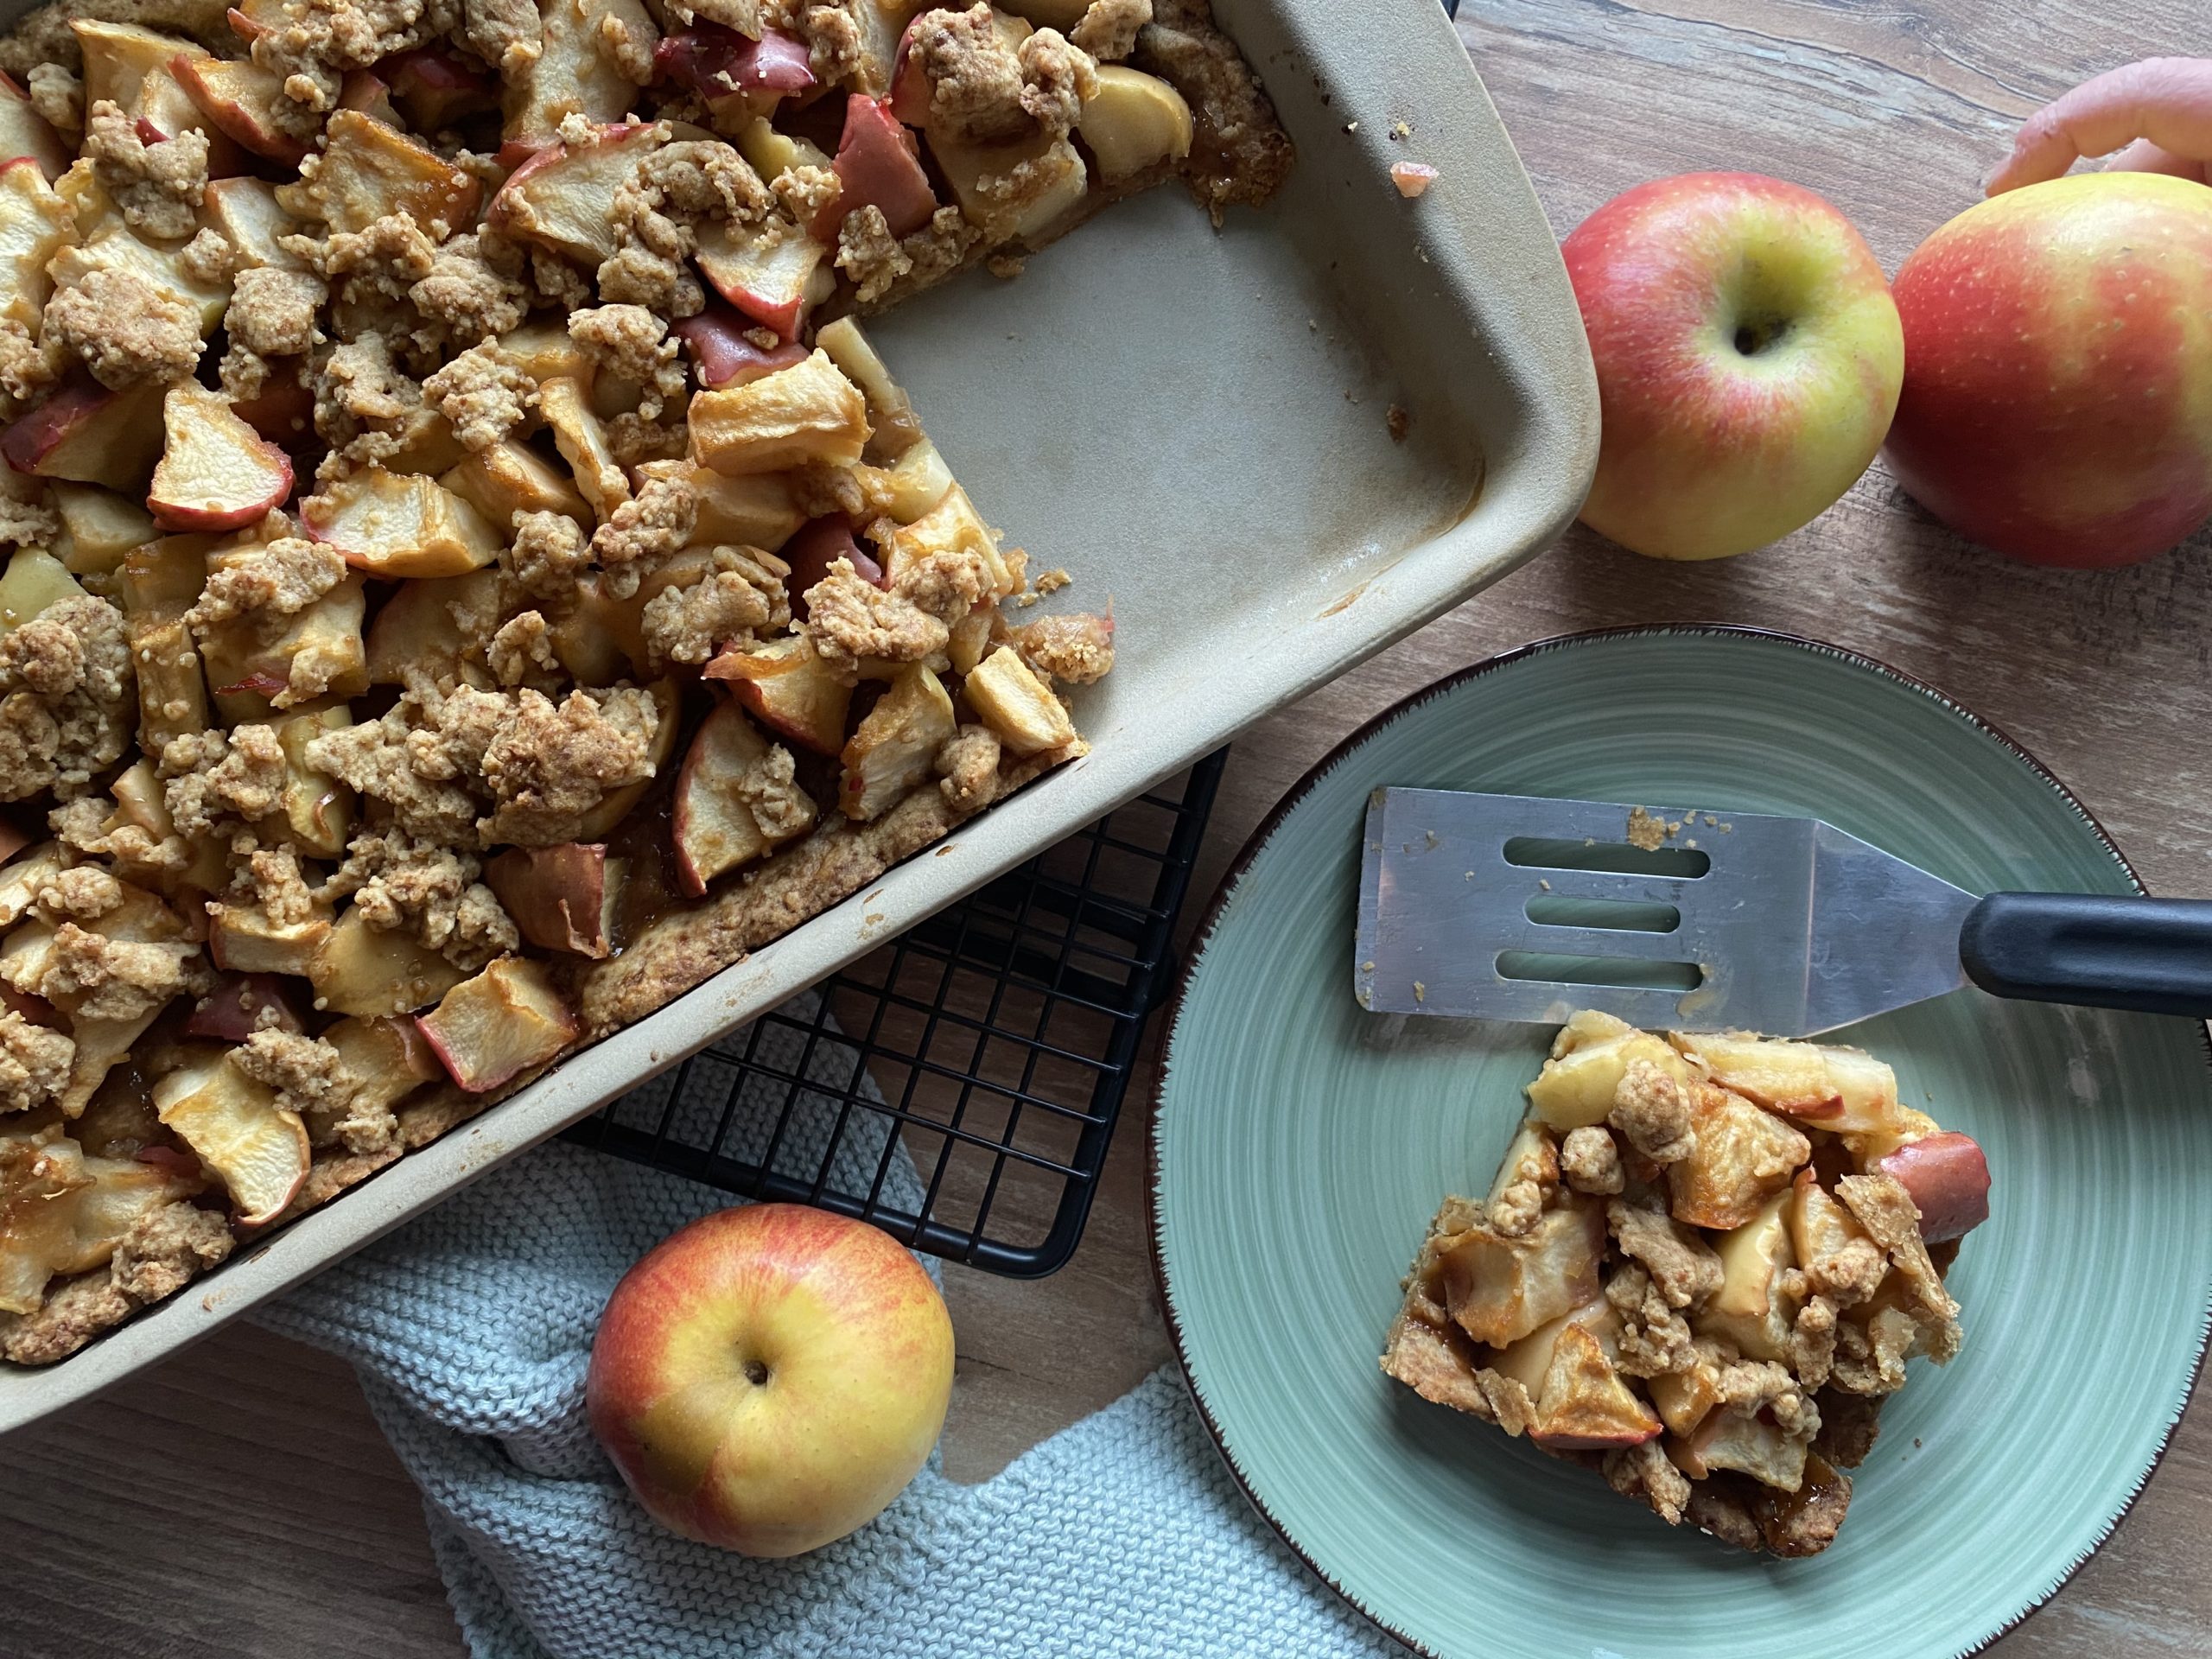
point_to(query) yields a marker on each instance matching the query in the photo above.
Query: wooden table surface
(239, 1502)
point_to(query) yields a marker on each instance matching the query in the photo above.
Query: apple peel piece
(562, 898)
(721, 354)
(1947, 1178)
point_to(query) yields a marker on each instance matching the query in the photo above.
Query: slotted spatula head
(1521, 907)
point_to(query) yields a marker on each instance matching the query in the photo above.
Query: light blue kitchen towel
(1121, 1538)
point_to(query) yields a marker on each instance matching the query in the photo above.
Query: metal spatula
(1519, 907)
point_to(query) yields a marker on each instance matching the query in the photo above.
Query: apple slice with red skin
(819, 543)
(878, 164)
(562, 898)
(433, 88)
(84, 432)
(770, 281)
(716, 61)
(722, 354)
(216, 472)
(910, 94)
(1948, 1180)
(240, 97)
(508, 1019)
(713, 830)
(789, 689)
(24, 131)
(237, 1006)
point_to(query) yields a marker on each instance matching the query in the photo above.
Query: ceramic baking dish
(1197, 424)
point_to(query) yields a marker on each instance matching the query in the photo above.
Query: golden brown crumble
(157, 186)
(58, 95)
(548, 554)
(1075, 648)
(1108, 28)
(125, 330)
(643, 531)
(851, 619)
(65, 697)
(742, 592)
(968, 766)
(33, 1063)
(277, 580)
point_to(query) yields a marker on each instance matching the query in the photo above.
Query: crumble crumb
(125, 330)
(1108, 28)
(157, 187)
(66, 699)
(482, 395)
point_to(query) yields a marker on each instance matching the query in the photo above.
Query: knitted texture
(472, 1327)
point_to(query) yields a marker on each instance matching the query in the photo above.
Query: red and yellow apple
(2057, 399)
(1748, 357)
(769, 1378)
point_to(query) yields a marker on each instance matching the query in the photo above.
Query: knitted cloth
(470, 1328)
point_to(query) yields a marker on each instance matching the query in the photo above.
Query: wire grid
(993, 1042)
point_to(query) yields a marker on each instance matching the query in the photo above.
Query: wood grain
(239, 1502)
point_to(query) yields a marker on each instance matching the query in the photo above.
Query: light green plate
(1300, 1146)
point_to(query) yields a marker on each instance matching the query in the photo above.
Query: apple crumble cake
(1701, 1268)
(472, 579)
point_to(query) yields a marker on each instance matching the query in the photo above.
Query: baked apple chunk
(1701, 1268)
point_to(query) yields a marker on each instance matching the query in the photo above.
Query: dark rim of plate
(1194, 958)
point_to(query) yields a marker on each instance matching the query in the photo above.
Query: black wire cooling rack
(992, 1042)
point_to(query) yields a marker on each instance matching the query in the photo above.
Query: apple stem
(756, 1373)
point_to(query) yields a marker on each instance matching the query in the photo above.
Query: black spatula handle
(2151, 956)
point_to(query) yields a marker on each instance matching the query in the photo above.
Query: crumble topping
(1077, 649)
(214, 778)
(643, 531)
(58, 96)
(272, 310)
(741, 594)
(66, 688)
(482, 395)
(1109, 28)
(158, 186)
(280, 579)
(123, 329)
(471, 288)
(851, 619)
(548, 554)
(33, 1063)
(968, 766)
